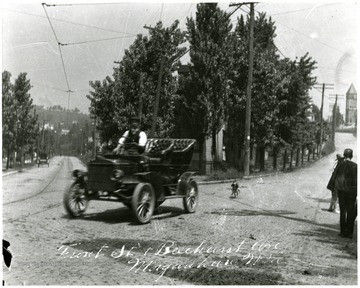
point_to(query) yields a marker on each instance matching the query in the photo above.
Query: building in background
(351, 110)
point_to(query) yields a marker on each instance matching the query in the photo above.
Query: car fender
(183, 181)
(154, 178)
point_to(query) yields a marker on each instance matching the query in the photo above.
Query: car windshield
(43, 155)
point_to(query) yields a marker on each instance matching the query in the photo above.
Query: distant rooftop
(351, 90)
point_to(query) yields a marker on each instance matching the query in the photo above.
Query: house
(351, 106)
(209, 164)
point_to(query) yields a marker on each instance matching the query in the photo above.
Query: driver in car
(133, 141)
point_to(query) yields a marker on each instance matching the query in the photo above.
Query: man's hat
(348, 153)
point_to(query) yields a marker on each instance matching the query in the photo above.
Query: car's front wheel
(192, 197)
(75, 200)
(143, 202)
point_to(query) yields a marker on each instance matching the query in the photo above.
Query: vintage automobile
(141, 182)
(43, 159)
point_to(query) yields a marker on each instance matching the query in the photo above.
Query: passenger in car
(133, 141)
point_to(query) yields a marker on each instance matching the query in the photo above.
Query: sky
(94, 34)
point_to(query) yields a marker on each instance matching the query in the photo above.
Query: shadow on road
(123, 214)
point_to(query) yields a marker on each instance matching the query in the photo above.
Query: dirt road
(277, 232)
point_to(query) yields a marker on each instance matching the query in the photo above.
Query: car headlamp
(117, 174)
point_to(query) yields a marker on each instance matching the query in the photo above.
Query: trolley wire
(92, 41)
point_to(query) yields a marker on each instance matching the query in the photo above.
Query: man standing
(331, 184)
(346, 185)
(133, 141)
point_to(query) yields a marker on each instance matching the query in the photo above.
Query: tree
(19, 118)
(269, 85)
(117, 99)
(8, 117)
(339, 117)
(210, 58)
(24, 109)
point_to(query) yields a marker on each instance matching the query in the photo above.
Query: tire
(192, 197)
(75, 200)
(143, 202)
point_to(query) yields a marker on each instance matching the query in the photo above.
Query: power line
(61, 54)
(71, 22)
(84, 4)
(161, 11)
(299, 10)
(340, 70)
(92, 41)
(329, 46)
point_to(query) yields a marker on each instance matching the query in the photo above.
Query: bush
(227, 174)
(329, 148)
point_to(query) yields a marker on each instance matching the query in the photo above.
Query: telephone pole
(67, 113)
(141, 96)
(248, 90)
(158, 88)
(157, 98)
(334, 115)
(324, 86)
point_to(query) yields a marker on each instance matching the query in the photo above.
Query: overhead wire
(304, 9)
(325, 44)
(88, 4)
(71, 22)
(305, 35)
(59, 46)
(92, 41)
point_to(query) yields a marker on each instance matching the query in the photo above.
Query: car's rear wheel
(143, 202)
(75, 200)
(192, 197)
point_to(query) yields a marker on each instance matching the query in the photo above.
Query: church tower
(351, 102)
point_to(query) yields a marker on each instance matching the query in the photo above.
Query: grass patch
(329, 148)
(224, 174)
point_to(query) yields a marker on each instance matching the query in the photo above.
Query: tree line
(23, 125)
(19, 118)
(212, 92)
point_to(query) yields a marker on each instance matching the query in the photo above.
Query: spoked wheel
(75, 200)
(192, 197)
(143, 202)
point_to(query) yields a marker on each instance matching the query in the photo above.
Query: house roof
(351, 90)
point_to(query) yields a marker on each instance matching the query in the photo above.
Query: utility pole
(94, 134)
(324, 86)
(158, 88)
(67, 113)
(43, 137)
(157, 98)
(248, 90)
(334, 115)
(141, 96)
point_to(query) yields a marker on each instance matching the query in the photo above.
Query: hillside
(57, 114)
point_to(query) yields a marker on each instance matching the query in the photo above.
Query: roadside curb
(9, 173)
(214, 182)
(250, 177)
